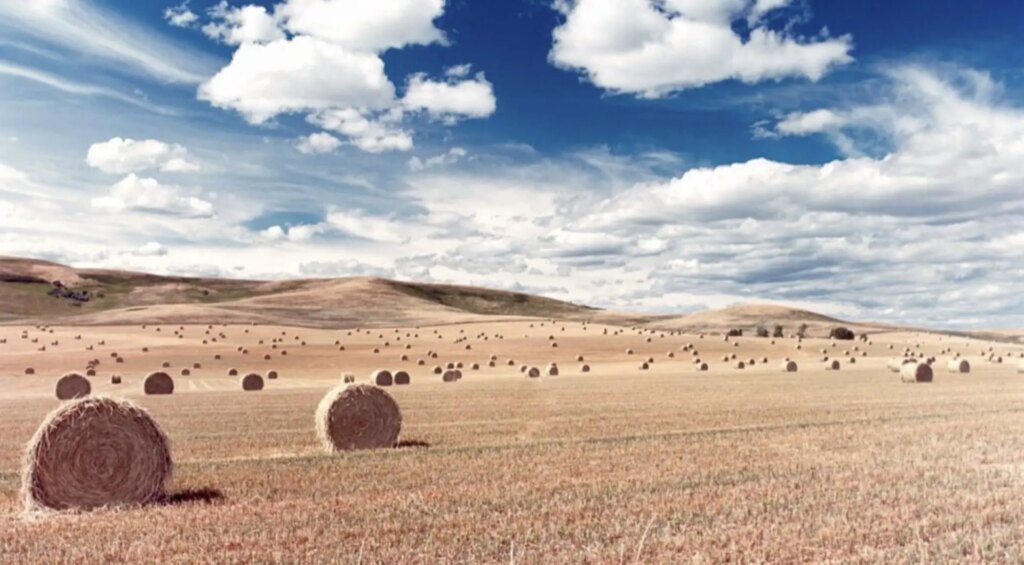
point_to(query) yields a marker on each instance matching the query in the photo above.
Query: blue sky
(858, 158)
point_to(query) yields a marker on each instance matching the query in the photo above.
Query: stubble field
(615, 466)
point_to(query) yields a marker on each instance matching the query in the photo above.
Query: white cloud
(370, 135)
(323, 58)
(297, 75)
(133, 193)
(358, 223)
(452, 156)
(151, 249)
(655, 47)
(105, 37)
(451, 99)
(120, 155)
(247, 24)
(180, 15)
(366, 26)
(317, 143)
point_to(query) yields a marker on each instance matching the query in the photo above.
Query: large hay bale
(252, 382)
(789, 366)
(95, 452)
(73, 385)
(450, 376)
(402, 378)
(158, 383)
(958, 365)
(382, 377)
(358, 417)
(916, 373)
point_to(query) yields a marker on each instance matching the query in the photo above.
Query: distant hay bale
(438, 370)
(166, 364)
(644, 366)
(741, 365)
(90, 373)
(158, 383)
(551, 370)
(348, 378)
(629, 352)
(402, 378)
(702, 367)
(272, 375)
(383, 377)
(789, 367)
(252, 382)
(73, 385)
(533, 372)
(916, 373)
(450, 376)
(30, 371)
(358, 417)
(475, 366)
(832, 365)
(93, 453)
(232, 372)
(185, 372)
(585, 368)
(115, 380)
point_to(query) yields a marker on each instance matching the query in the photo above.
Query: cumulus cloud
(373, 135)
(323, 58)
(318, 143)
(121, 155)
(360, 224)
(652, 48)
(133, 193)
(247, 24)
(451, 99)
(151, 249)
(299, 74)
(368, 26)
(180, 15)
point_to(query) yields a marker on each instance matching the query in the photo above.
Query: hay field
(615, 466)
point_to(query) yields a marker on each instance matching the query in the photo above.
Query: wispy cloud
(84, 27)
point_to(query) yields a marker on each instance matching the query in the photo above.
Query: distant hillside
(29, 291)
(748, 317)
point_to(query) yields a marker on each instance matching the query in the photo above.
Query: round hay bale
(533, 372)
(95, 452)
(382, 377)
(438, 370)
(90, 373)
(644, 366)
(252, 382)
(185, 372)
(272, 375)
(73, 385)
(232, 372)
(832, 365)
(551, 370)
(703, 367)
(30, 371)
(789, 367)
(475, 366)
(115, 379)
(450, 376)
(916, 373)
(402, 378)
(158, 383)
(585, 368)
(741, 365)
(358, 417)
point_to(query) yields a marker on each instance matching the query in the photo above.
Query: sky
(862, 159)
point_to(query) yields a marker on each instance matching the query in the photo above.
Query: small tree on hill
(735, 332)
(802, 332)
(762, 331)
(778, 332)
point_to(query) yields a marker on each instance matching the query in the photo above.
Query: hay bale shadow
(191, 496)
(412, 444)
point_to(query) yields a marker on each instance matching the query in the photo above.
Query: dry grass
(669, 465)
